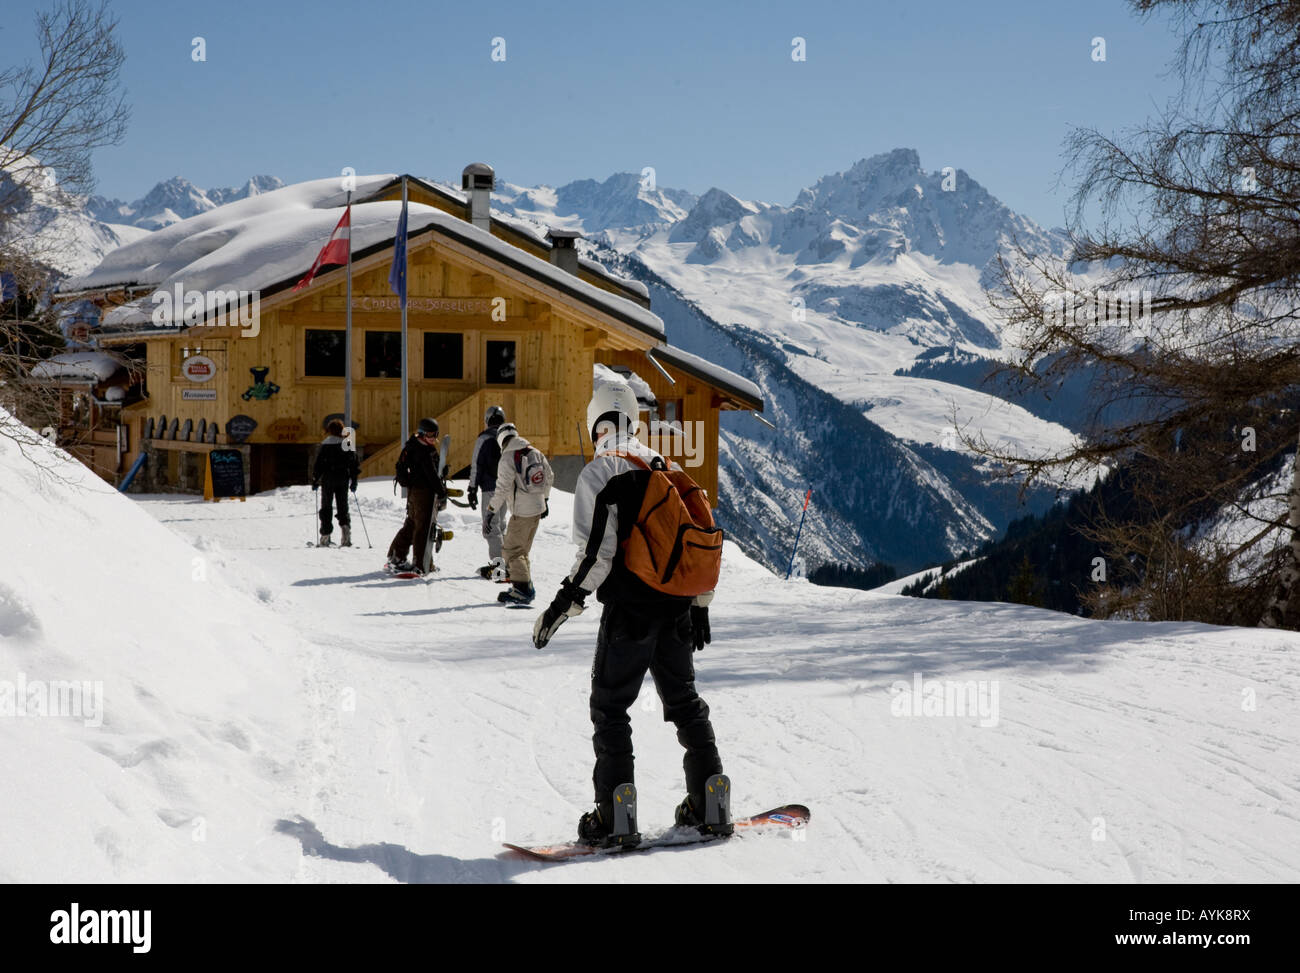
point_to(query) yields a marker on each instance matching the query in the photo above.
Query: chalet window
(500, 363)
(325, 354)
(444, 355)
(383, 354)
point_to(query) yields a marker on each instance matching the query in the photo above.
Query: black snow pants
(333, 494)
(629, 643)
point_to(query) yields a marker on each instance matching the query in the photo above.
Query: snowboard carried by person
(648, 549)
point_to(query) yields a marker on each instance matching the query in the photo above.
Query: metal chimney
(478, 179)
(564, 249)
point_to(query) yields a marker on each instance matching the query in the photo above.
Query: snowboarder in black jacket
(417, 470)
(336, 469)
(641, 629)
(483, 476)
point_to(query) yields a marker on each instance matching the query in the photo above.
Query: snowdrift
(179, 709)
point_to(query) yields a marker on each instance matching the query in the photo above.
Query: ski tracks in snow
(1120, 752)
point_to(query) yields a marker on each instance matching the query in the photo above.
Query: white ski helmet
(506, 431)
(615, 397)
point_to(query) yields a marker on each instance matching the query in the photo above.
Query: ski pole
(315, 513)
(363, 519)
(806, 497)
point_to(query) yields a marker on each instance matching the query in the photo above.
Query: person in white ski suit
(524, 480)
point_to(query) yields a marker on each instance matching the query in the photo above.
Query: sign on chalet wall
(199, 368)
(427, 305)
(286, 430)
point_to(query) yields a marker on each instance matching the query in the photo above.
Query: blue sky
(707, 93)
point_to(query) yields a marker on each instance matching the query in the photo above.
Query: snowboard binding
(613, 823)
(709, 813)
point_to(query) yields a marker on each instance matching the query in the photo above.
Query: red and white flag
(334, 252)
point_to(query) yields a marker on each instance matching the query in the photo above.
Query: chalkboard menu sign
(225, 474)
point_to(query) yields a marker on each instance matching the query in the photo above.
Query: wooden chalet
(497, 314)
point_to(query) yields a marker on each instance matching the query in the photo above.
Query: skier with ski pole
(648, 549)
(336, 468)
(361, 515)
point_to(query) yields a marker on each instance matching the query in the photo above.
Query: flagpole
(406, 412)
(347, 334)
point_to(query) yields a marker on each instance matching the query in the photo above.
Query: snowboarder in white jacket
(641, 628)
(524, 481)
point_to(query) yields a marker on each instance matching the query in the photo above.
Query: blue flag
(397, 276)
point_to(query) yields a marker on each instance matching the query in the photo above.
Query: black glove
(473, 498)
(353, 486)
(315, 487)
(547, 512)
(487, 523)
(566, 605)
(700, 635)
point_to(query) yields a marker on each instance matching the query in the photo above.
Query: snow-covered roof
(267, 242)
(605, 374)
(715, 375)
(78, 366)
(597, 267)
(538, 234)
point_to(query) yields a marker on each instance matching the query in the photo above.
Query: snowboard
(436, 534)
(439, 534)
(410, 575)
(787, 816)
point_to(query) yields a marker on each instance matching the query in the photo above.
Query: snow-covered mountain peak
(174, 200)
(625, 199)
(178, 195)
(716, 208)
(900, 208)
(254, 187)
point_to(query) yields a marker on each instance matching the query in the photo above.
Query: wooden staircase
(528, 409)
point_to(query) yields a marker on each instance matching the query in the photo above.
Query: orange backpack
(674, 546)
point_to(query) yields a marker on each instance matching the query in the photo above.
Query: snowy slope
(197, 722)
(52, 229)
(326, 723)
